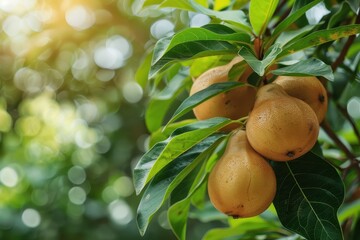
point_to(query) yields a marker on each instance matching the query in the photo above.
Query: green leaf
(349, 210)
(178, 212)
(200, 65)
(295, 15)
(257, 65)
(169, 177)
(320, 37)
(206, 33)
(162, 134)
(354, 4)
(290, 36)
(181, 140)
(201, 96)
(179, 4)
(159, 104)
(308, 67)
(246, 230)
(190, 50)
(221, 4)
(178, 215)
(339, 15)
(142, 72)
(309, 193)
(260, 13)
(235, 17)
(208, 40)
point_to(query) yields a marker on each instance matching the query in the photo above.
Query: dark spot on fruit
(227, 102)
(311, 127)
(180, 212)
(290, 154)
(321, 98)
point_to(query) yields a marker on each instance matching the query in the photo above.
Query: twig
(354, 162)
(280, 6)
(282, 17)
(351, 121)
(325, 125)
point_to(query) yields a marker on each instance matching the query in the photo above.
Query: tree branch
(351, 121)
(354, 162)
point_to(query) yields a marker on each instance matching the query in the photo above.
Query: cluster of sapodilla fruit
(282, 125)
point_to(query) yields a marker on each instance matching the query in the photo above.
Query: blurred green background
(71, 116)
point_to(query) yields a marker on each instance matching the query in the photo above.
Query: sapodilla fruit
(308, 89)
(233, 104)
(242, 183)
(281, 127)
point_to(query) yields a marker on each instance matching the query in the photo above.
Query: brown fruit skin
(308, 89)
(242, 183)
(234, 104)
(281, 127)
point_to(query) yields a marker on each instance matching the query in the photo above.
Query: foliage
(317, 193)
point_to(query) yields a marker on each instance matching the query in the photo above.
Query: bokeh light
(9, 177)
(353, 107)
(77, 195)
(120, 212)
(31, 218)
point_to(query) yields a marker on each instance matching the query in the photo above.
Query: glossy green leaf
(295, 15)
(191, 50)
(308, 67)
(162, 134)
(159, 104)
(193, 41)
(309, 194)
(179, 211)
(354, 4)
(235, 17)
(200, 65)
(206, 33)
(169, 177)
(201, 96)
(245, 230)
(338, 16)
(260, 13)
(142, 73)
(320, 37)
(257, 65)
(178, 4)
(181, 140)
(178, 215)
(290, 36)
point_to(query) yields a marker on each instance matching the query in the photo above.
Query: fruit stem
(242, 120)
